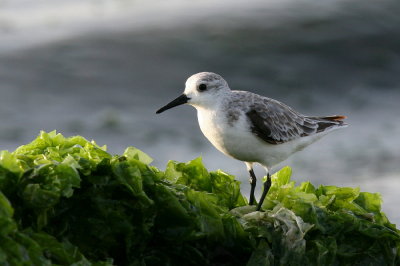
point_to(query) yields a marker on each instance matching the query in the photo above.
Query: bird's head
(203, 89)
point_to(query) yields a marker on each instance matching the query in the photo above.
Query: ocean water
(101, 68)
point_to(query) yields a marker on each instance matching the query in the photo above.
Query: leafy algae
(66, 201)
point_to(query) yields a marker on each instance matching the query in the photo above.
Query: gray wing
(275, 122)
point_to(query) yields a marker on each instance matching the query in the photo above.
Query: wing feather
(276, 123)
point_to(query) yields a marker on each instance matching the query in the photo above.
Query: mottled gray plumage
(273, 121)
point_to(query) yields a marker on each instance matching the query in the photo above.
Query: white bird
(250, 127)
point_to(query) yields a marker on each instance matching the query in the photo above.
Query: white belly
(239, 142)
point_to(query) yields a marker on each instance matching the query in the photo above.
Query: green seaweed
(66, 201)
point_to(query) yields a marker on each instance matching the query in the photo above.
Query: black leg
(253, 182)
(267, 185)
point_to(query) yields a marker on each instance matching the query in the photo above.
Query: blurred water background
(101, 68)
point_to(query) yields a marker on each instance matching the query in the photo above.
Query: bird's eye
(202, 87)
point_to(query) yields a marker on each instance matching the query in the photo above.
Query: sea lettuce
(328, 225)
(67, 201)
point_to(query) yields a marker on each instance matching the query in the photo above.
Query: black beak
(178, 101)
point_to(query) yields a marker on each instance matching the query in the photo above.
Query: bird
(250, 127)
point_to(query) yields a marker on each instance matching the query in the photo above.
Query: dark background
(103, 74)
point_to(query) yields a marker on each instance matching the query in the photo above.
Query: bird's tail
(327, 122)
(333, 117)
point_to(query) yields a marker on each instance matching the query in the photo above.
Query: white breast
(232, 139)
(212, 127)
(236, 139)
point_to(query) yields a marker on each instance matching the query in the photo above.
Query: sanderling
(250, 127)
